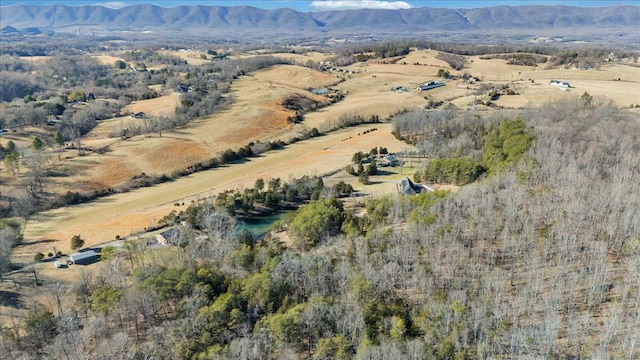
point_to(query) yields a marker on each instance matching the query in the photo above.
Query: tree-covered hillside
(539, 257)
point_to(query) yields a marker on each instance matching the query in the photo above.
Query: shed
(84, 258)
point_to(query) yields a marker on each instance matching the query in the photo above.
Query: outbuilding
(83, 258)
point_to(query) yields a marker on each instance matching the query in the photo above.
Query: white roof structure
(80, 256)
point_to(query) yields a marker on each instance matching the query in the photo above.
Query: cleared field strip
(121, 214)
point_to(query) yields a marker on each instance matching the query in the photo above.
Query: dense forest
(537, 257)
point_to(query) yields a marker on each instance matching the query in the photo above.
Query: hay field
(601, 83)
(425, 57)
(107, 60)
(296, 58)
(164, 105)
(303, 58)
(192, 57)
(256, 114)
(34, 58)
(122, 214)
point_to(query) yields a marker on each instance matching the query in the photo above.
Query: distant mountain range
(257, 23)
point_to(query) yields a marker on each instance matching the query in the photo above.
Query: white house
(560, 83)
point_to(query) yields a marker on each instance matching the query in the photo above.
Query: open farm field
(107, 60)
(192, 57)
(424, 57)
(164, 105)
(618, 82)
(35, 58)
(300, 58)
(257, 114)
(121, 214)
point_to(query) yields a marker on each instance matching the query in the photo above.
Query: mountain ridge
(248, 20)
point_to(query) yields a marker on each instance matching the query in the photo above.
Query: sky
(322, 5)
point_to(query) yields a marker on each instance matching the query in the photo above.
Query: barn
(84, 258)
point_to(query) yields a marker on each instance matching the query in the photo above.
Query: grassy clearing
(107, 60)
(161, 106)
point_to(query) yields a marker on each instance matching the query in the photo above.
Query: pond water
(261, 225)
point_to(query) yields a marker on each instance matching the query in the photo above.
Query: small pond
(259, 226)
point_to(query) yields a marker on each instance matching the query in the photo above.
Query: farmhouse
(182, 89)
(389, 160)
(83, 258)
(408, 187)
(139, 115)
(169, 237)
(399, 88)
(430, 85)
(560, 83)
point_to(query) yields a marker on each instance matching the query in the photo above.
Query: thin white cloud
(112, 4)
(323, 5)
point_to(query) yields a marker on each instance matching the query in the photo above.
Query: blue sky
(320, 5)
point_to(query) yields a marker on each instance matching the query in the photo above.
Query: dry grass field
(107, 60)
(258, 114)
(615, 81)
(122, 214)
(164, 105)
(192, 57)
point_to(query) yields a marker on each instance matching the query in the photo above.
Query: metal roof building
(84, 257)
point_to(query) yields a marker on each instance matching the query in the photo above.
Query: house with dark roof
(430, 85)
(389, 160)
(182, 89)
(170, 236)
(408, 187)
